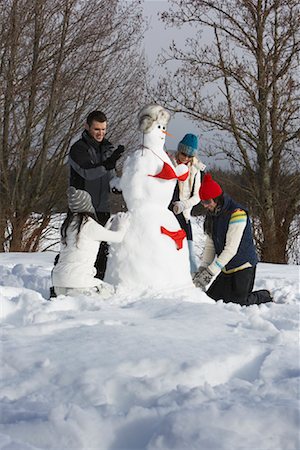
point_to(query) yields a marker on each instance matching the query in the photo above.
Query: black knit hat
(80, 201)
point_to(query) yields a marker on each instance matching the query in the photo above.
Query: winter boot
(52, 293)
(258, 297)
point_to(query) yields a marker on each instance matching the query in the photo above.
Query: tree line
(59, 60)
(243, 83)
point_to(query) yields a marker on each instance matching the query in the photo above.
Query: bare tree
(245, 85)
(59, 60)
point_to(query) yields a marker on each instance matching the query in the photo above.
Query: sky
(159, 37)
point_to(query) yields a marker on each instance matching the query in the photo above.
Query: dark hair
(76, 220)
(208, 221)
(97, 116)
(219, 200)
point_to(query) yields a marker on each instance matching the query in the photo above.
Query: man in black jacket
(92, 159)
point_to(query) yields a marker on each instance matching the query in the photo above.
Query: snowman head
(153, 121)
(152, 115)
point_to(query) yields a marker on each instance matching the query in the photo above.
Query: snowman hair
(151, 114)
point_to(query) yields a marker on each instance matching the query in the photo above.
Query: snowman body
(154, 253)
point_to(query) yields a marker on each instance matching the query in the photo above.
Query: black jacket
(218, 229)
(87, 172)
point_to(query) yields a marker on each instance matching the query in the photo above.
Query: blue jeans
(193, 264)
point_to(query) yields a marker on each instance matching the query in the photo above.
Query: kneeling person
(81, 235)
(229, 250)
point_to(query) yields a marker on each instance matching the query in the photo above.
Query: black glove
(110, 163)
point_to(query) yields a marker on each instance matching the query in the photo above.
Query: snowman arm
(138, 192)
(135, 169)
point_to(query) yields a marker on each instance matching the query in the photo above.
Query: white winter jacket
(75, 268)
(189, 189)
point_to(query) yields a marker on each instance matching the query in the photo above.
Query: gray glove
(198, 271)
(201, 268)
(178, 207)
(202, 277)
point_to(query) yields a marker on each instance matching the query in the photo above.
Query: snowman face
(156, 137)
(161, 131)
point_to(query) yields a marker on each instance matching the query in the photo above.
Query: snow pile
(171, 371)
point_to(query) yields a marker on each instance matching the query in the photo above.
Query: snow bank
(175, 371)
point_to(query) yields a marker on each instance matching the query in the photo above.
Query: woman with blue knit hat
(186, 193)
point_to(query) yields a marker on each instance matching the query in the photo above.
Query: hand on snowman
(203, 277)
(121, 221)
(178, 207)
(110, 162)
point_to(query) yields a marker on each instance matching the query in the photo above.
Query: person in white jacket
(81, 235)
(186, 193)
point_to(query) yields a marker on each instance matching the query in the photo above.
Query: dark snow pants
(101, 260)
(185, 225)
(237, 287)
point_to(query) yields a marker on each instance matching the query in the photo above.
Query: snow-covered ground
(167, 371)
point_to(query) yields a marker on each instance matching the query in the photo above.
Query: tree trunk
(61, 60)
(16, 242)
(274, 245)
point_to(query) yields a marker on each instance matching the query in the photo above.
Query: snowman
(154, 253)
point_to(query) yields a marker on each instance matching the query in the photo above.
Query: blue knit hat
(188, 145)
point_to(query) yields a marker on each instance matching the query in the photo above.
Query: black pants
(237, 287)
(185, 225)
(101, 260)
